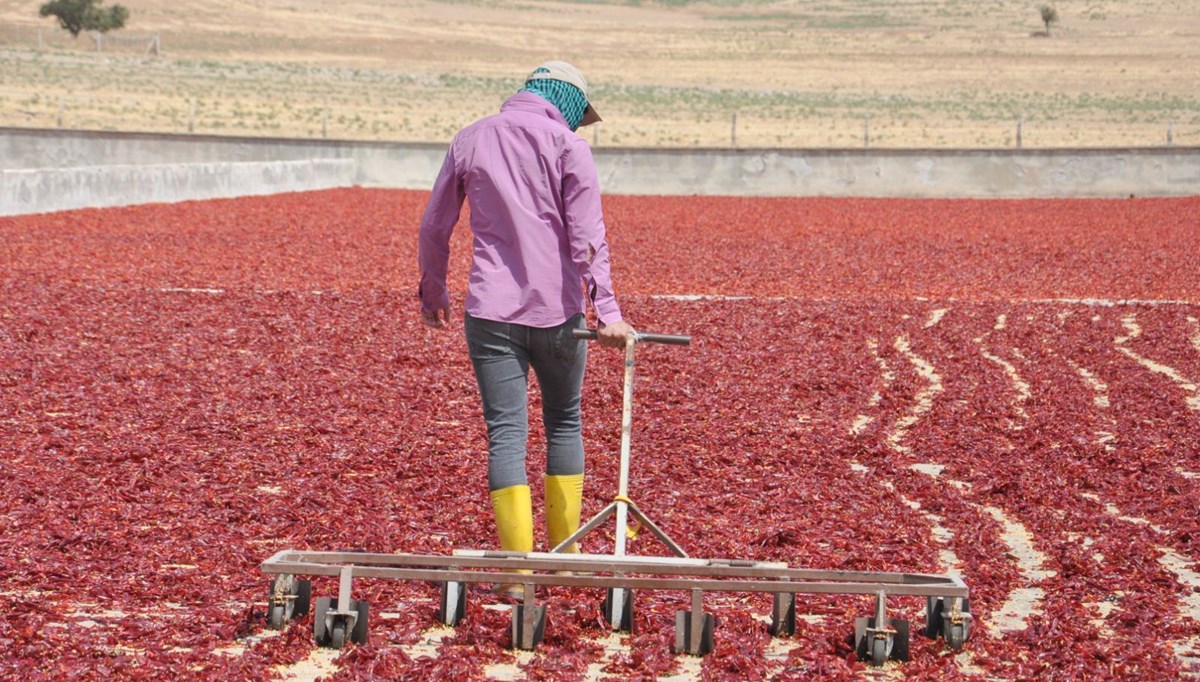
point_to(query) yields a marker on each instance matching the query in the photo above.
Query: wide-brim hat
(562, 71)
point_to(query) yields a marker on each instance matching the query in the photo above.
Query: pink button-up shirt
(535, 214)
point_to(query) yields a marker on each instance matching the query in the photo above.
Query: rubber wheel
(277, 612)
(337, 636)
(275, 616)
(878, 651)
(955, 635)
(938, 625)
(295, 607)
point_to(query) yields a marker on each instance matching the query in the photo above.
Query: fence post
(1020, 124)
(1170, 133)
(192, 116)
(60, 113)
(733, 131)
(325, 122)
(866, 131)
(595, 135)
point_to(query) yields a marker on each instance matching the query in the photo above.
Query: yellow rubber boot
(514, 518)
(564, 496)
(514, 525)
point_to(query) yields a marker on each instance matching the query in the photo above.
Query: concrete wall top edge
(195, 137)
(821, 151)
(197, 165)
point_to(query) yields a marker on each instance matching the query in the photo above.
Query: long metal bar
(330, 563)
(949, 588)
(650, 337)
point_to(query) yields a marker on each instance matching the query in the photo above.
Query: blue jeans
(502, 354)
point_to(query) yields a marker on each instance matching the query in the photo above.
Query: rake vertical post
(626, 438)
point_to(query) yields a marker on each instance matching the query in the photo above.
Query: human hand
(613, 335)
(437, 319)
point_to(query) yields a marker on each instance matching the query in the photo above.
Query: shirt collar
(534, 104)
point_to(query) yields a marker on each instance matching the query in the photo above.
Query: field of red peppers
(1009, 390)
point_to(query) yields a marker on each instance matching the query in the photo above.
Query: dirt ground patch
(949, 73)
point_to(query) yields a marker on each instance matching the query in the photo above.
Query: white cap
(562, 71)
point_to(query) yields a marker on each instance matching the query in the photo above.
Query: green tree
(1049, 16)
(85, 15)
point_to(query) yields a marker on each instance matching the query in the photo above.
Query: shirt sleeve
(585, 230)
(437, 224)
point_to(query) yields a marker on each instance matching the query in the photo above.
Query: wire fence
(308, 119)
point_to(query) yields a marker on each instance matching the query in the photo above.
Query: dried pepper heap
(185, 389)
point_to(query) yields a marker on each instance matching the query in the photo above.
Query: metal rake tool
(876, 638)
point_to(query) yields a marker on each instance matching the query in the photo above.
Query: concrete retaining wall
(905, 173)
(983, 173)
(379, 164)
(40, 190)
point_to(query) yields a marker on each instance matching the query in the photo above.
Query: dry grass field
(928, 73)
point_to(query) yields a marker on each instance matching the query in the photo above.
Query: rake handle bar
(670, 339)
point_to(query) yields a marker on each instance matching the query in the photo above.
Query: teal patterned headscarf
(568, 98)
